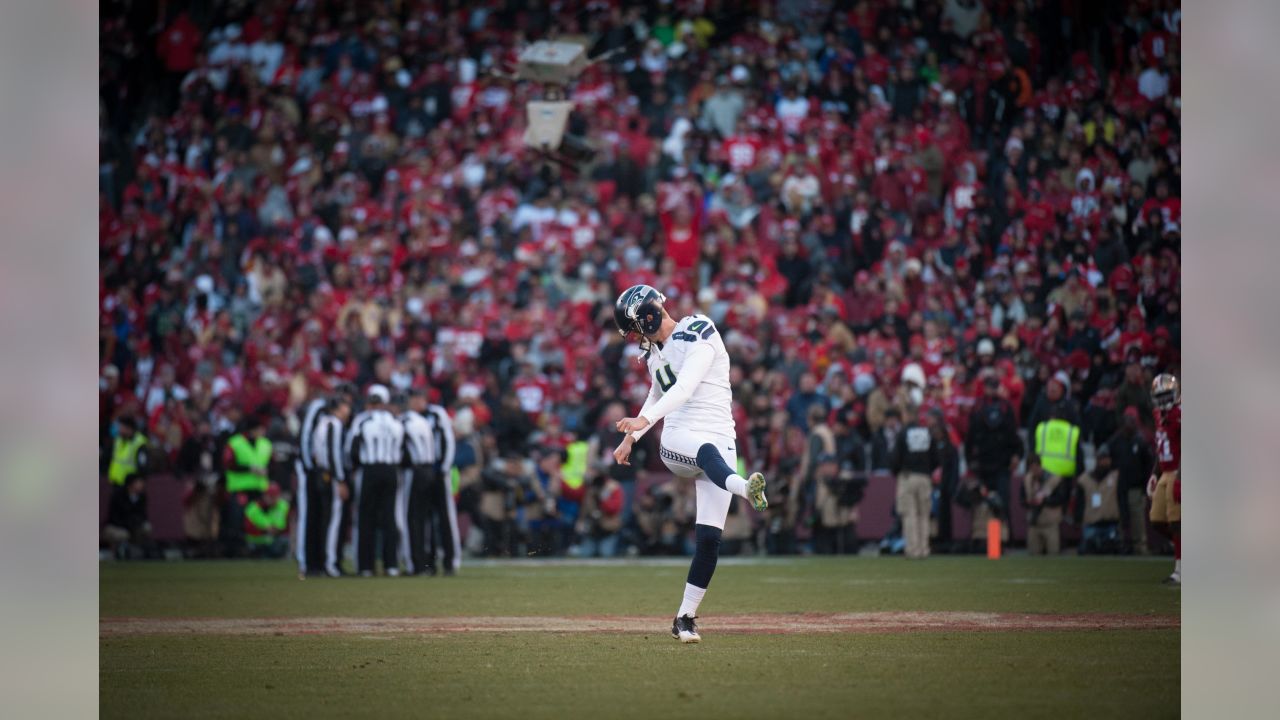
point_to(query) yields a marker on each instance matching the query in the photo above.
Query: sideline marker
(993, 539)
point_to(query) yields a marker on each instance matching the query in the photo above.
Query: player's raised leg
(711, 461)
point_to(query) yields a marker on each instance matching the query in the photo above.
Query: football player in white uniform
(690, 370)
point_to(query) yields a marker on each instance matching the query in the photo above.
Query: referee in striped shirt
(307, 543)
(442, 514)
(375, 449)
(332, 489)
(416, 486)
(315, 493)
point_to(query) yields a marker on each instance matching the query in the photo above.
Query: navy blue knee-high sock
(713, 464)
(705, 554)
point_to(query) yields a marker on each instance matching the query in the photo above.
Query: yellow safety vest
(124, 458)
(277, 518)
(1056, 443)
(250, 456)
(574, 470)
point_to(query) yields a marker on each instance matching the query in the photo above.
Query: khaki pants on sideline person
(981, 514)
(913, 502)
(115, 534)
(1044, 533)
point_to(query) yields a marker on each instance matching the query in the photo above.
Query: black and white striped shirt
(326, 447)
(442, 431)
(306, 434)
(419, 439)
(375, 438)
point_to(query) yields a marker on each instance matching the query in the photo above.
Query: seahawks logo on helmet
(639, 310)
(633, 308)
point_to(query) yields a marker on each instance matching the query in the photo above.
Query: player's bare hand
(623, 454)
(630, 425)
(344, 492)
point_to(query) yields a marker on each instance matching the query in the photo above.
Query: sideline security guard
(128, 452)
(1058, 446)
(1048, 482)
(246, 457)
(248, 453)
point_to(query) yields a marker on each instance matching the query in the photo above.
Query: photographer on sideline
(1099, 493)
(601, 519)
(1044, 494)
(1133, 456)
(507, 487)
(994, 450)
(946, 480)
(665, 516)
(128, 529)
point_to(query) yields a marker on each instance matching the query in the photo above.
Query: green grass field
(1001, 671)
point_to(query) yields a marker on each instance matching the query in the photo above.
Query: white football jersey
(710, 407)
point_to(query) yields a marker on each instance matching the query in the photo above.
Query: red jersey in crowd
(1155, 45)
(681, 240)
(1169, 439)
(178, 43)
(1170, 209)
(741, 151)
(533, 392)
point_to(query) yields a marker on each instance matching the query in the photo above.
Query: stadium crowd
(951, 199)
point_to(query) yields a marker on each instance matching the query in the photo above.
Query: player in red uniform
(1166, 490)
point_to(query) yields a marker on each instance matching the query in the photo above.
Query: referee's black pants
(442, 521)
(414, 548)
(375, 516)
(314, 499)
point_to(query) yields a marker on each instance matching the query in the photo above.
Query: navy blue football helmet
(639, 309)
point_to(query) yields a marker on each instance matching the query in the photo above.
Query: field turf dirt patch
(776, 623)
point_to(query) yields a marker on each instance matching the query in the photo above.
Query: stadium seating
(297, 195)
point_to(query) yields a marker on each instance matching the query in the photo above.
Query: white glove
(1151, 485)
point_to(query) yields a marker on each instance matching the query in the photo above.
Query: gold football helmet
(1165, 391)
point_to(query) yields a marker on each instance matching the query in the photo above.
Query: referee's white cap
(379, 393)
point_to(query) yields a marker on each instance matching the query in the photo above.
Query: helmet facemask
(1165, 392)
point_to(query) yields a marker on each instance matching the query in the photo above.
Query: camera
(554, 63)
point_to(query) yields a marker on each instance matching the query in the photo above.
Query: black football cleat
(755, 491)
(685, 629)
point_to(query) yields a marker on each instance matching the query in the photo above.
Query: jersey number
(1163, 448)
(703, 328)
(666, 377)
